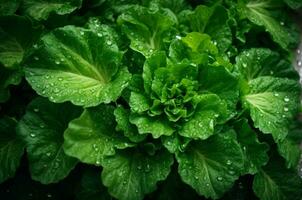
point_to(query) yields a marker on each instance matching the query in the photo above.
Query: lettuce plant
(157, 99)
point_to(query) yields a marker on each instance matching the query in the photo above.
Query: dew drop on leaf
(219, 178)
(229, 162)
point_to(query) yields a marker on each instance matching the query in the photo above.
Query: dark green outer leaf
(8, 7)
(211, 166)
(11, 148)
(41, 9)
(42, 129)
(77, 65)
(17, 36)
(273, 102)
(277, 182)
(129, 175)
(255, 152)
(92, 136)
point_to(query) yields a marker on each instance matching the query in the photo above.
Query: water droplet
(219, 178)
(298, 51)
(200, 124)
(282, 23)
(100, 34)
(208, 185)
(286, 99)
(35, 46)
(216, 115)
(98, 162)
(283, 116)
(178, 37)
(62, 59)
(109, 42)
(57, 62)
(196, 177)
(299, 63)
(276, 94)
(82, 33)
(36, 109)
(285, 109)
(231, 172)
(48, 154)
(32, 135)
(36, 58)
(229, 162)
(244, 65)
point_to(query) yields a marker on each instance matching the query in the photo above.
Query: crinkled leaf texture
(131, 174)
(42, 129)
(78, 65)
(11, 148)
(41, 9)
(92, 136)
(211, 166)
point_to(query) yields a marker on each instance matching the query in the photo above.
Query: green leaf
(214, 22)
(201, 124)
(42, 129)
(155, 61)
(213, 79)
(122, 116)
(9, 7)
(289, 148)
(11, 148)
(272, 103)
(77, 65)
(91, 187)
(263, 13)
(211, 166)
(147, 28)
(8, 77)
(258, 62)
(277, 182)
(157, 126)
(129, 175)
(255, 152)
(17, 36)
(294, 4)
(92, 136)
(138, 102)
(41, 9)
